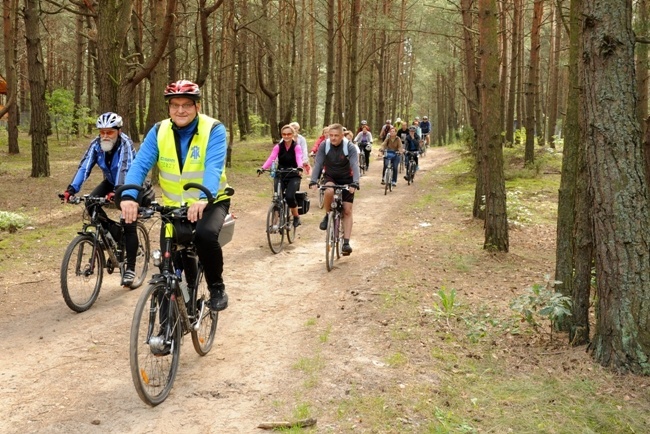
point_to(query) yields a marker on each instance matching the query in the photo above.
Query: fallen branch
(278, 425)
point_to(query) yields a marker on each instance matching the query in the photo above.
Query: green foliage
(518, 213)
(10, 221)
(540, 301)
(61, 109)
(258, 126)
(447, 302)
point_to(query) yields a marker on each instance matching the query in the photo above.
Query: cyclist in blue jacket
(112, 150)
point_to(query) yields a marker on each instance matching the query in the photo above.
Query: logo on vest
(195, 153)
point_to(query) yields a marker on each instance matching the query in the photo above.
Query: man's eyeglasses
(185, 106)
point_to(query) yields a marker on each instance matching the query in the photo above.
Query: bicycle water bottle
(274, 166)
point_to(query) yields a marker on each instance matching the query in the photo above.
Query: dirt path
(67, 372)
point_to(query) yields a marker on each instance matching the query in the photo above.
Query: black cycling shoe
(296, 221)
(218, 297)
(323, 224)
(346, 249)
(127, 278)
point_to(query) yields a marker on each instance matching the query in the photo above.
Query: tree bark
(489, 138)
(642, 63)
(554, 80)
(329, 89)
(37, 87)
(532, 86)
(513, 96)
(617, 180)
(9, 15)
(568, 208)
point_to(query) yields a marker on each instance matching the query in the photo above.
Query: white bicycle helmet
(364, 122)
(109, 120)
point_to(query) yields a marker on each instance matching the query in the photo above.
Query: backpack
(346, 149)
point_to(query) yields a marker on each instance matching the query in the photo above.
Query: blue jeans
(391, 158)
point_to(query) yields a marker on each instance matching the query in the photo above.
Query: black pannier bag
(303, 202)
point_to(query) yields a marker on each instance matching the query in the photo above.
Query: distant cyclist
(385, 129)
(289, 156)
(412, 144)
(302, 142)
(392, 148)
(425, 126)
(364, 141)
(113, 151)
(364, 123)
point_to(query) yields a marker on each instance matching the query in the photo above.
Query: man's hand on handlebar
(129, 209)
(312, 184)
(110, 197)
(195, 211)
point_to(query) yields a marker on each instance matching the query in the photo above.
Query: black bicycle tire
(146, 251)
(330, 242)
(146, 306)
(338, 221)
(201, 297)
(288, 225)
(99, 272)
(387, 180)
(277, 247)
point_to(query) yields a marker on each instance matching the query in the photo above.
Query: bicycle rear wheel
(155, 344)
(330, 242)
(205, 320)
(362, 162)
(274, 231)
(81, 273)
(142, 256)
(338, 234)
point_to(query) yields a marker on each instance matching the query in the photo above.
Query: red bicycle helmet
(182, 88)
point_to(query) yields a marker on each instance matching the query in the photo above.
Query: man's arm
(215, 159)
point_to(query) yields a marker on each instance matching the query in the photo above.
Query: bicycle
(362, 161)
(278, 218)
(97, 248)
(388, 174)
(334, 233)
(424, 144)
(169, 309)
(411, 166)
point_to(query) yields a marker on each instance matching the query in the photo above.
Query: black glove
(355, 185)
(260, 171)
(312, 183)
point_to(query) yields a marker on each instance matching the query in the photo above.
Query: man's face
(183, 111)
(108, 137)
(336, 137)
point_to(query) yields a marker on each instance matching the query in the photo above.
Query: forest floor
(369, 347)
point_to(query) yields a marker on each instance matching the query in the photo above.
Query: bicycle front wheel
(142, 256)
(288, 225)
(362, 162)
(330, 242)
(204, 323)
(81, 273)
(274, 231)
(388, 177)
(321, 198)
(155, 344)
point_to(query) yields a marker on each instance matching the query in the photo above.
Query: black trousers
(206, 240)
(290, 185)
(130, 234)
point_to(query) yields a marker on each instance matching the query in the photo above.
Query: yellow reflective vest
(171, 179)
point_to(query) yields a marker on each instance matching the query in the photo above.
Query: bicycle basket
(303, 202)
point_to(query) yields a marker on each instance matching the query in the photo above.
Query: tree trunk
(158, 75)
(79, 122)
(554, 80)
(568, 209)
(617, 180)
(514, 77)
(329, 90)
(532, 85)
(642, 63)
(9, 15)
(37, 86)
(489, 137)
